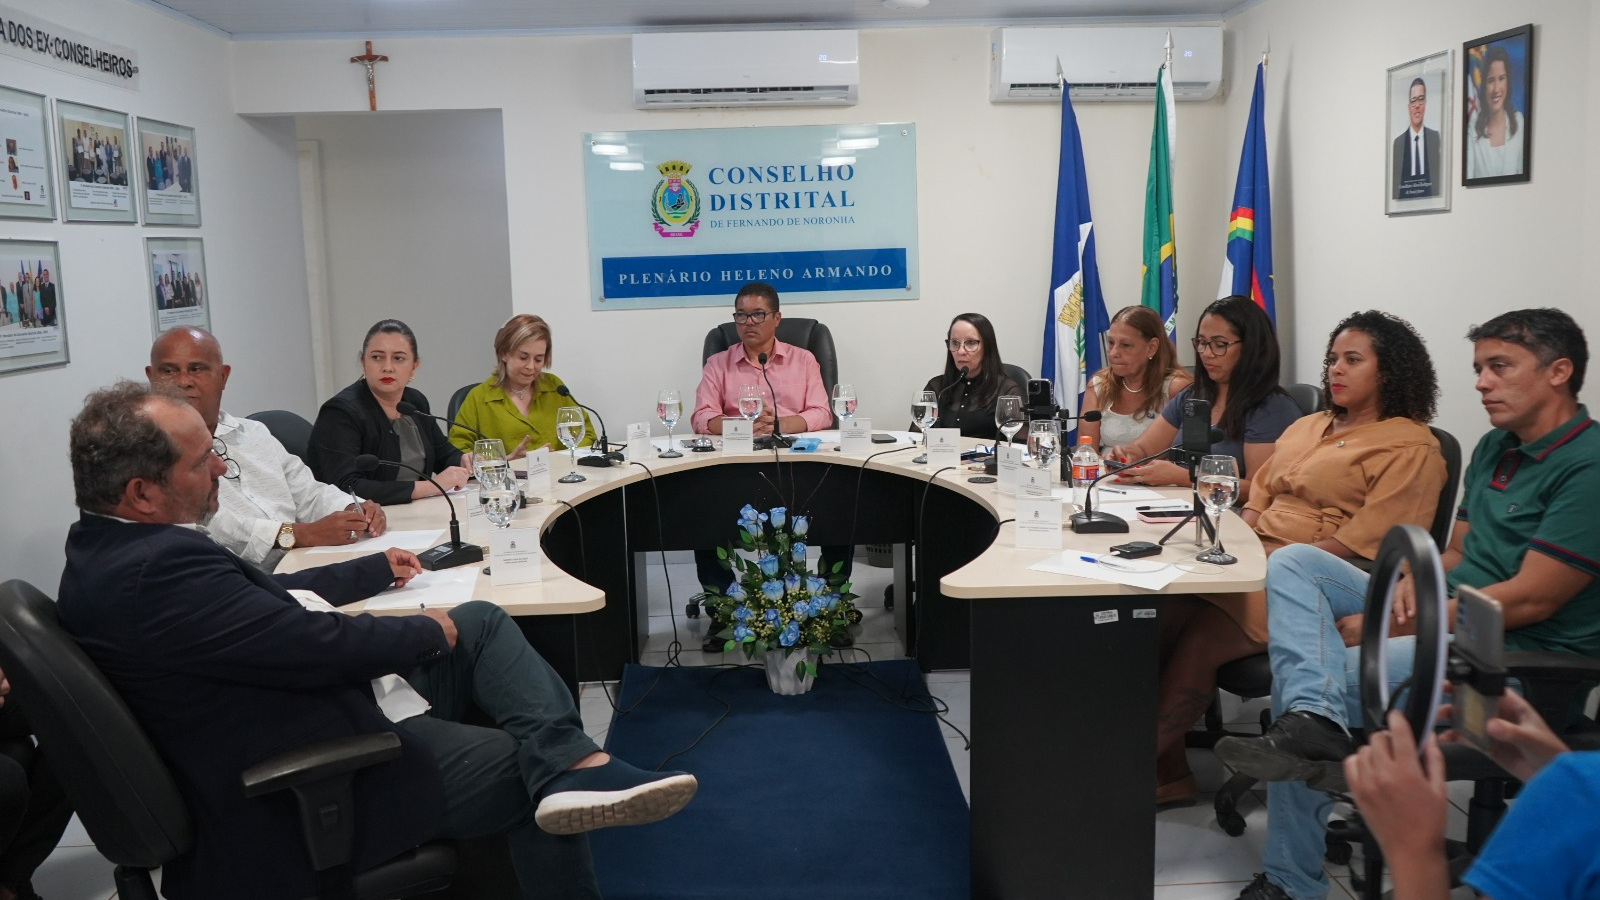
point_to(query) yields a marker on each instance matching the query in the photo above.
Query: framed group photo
(25, 137)
(167, 171)
(1418, 136)
(93, 146)
(1497, 108)
(179, 289)
(33, 319)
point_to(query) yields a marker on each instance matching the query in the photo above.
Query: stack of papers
(415, 541)
(442, 589)
(1140, 573)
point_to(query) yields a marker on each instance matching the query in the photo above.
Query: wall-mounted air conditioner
(1103, 62)
(675, 70)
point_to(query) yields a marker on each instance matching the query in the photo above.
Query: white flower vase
(780, 671)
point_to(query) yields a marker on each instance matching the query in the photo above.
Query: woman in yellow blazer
(518, 403)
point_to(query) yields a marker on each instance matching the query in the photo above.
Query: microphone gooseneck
(407, 408)
(444, 556)
(777, 427)
(1091, 522)
(607, 456)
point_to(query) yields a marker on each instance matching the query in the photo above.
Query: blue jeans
(1308, 591)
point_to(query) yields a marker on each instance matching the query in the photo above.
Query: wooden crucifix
(370, 60)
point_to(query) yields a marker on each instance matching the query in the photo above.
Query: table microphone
(777, 429)
(1091, 522)
(444, 556)
(606, 456)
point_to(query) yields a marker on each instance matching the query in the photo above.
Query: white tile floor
(1195, 860)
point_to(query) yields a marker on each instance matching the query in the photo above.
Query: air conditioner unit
(676, 70)
(1103, 62)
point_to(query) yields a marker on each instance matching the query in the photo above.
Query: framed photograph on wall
(1497, 108)
(179, 291)
(93, 146)
(167, 172)
(1418, 136)
(33, 317)
(25, 191)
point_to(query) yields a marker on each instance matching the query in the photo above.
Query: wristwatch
(286, 536)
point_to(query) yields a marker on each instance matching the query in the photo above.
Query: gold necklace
(1129, 389)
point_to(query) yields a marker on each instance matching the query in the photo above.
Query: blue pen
(1089, 559)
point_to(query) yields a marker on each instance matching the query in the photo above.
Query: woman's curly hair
(1407, 385)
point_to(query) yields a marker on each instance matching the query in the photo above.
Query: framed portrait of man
(1417, 136)
(1497, 108)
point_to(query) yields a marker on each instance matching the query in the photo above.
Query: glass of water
(500, 497)
(1044, 439)
(1008, 416)
(844, 400)
(750, 401)
(1217, 480)
(669, 408)
(488, 459)
(925, 412)
(570, 429)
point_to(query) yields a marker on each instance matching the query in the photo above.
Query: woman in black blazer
(364, 418)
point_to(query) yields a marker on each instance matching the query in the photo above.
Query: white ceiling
(263, 18)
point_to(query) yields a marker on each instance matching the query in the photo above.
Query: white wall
(986, 193)
(1499, 248)
(253, 257)
(414, 210)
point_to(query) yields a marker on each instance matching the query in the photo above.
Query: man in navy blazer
(224, 668)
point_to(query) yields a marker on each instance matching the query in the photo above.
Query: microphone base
(1096, 522)
(447, 556)
(597, 461)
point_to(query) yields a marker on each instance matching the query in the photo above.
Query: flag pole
(1266, 49)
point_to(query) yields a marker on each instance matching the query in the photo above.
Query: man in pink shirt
(801, 400)
(802, 405)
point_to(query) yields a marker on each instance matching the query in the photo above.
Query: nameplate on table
(538, 481)
(855, 436)
(944, 448)
(1038, 525)
(737, 437)
(639, 448)
(513, 556)
(1008, 462)
(1034, 483)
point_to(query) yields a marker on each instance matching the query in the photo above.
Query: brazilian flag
(1158, 287)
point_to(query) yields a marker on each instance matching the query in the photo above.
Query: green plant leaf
(722, 553)
(838, 567)
(745, 538)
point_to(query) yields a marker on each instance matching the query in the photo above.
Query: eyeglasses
(1216, 347)
(221, 450)
(755, 318)
(968, 345)
(1418, 101)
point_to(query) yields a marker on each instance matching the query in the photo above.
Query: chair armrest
(1549, 665)
(319, 762)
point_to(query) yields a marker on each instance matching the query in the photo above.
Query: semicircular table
(1064, 670)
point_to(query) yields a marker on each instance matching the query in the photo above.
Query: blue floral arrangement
(774, 601)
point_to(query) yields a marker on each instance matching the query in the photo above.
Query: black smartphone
(1135, 549)
(1196, 426)
(1041, 398)
(1480, 643)
(879, 437)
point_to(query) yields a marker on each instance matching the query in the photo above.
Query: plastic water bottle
(1085, 469)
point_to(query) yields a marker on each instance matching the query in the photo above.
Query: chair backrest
(1306, 396)
(1019, 375)
(458, 398)
(112, 774)
(807, 333)
(1444, 518)
(291, 430)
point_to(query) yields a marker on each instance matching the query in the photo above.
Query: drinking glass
(925, 411)
(570, 429)
(1044, 438)
(1217, 481)
(844, 400)
(500, 497)
(750, 401)
(488, 456)
(1008, 416)
(669, 407)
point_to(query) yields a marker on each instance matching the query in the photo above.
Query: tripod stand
(1204, 534)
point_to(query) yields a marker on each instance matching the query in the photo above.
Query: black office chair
(1251, 677)
(806, 333)
(126, 797)
(1019, 375)
(292, 431)
(458, 398)
(1306, 396)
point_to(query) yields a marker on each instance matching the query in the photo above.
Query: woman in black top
(967, 402)
(364, 418)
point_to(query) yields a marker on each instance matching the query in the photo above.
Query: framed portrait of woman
(1417, 136)
(1497, 108)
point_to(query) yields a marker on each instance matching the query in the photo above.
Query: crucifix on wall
(371, 60)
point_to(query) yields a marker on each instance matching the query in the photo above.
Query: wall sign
(683, 218)
(28, 37)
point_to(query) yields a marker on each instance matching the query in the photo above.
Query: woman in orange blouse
(1338, 479)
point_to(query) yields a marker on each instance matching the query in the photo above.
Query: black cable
(676, 647)
(855, 516)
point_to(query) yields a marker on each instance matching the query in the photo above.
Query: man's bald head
(190, 359)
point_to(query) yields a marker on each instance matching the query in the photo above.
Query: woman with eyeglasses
(1238, 374)
(365, 418)
(1141, 374)
(972, 380)
(518, 403)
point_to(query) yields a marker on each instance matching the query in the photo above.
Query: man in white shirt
(268, 502)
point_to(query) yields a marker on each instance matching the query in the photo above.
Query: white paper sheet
(1143, 573)
(415, 541)
(444, 589)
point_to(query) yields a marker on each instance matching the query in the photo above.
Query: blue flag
(1075, 317)
(1247, 268)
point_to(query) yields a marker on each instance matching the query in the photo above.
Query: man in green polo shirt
(1523, 535)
